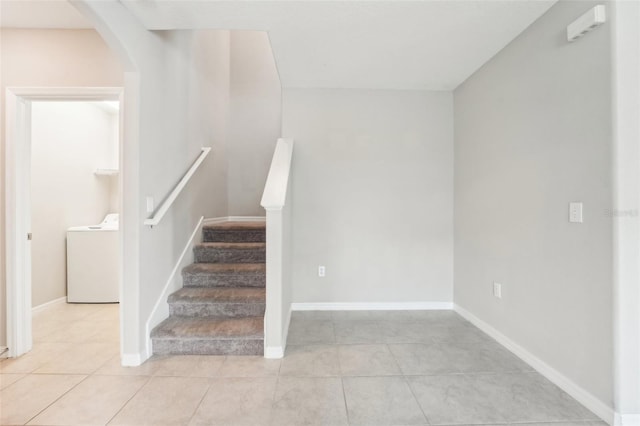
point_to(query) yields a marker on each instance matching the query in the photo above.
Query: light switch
(497, 290)
(150, 206)
(575, 212)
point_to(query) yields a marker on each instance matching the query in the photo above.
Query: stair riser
(230, 279)
(229, 255)
(208, 347)
(229, 310)
(233, 236)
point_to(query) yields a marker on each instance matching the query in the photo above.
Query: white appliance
(92, 262)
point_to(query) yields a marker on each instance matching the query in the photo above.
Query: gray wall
(255, 120)
(372, 194)
(532, 133)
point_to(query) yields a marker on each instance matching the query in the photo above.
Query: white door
(18, 224)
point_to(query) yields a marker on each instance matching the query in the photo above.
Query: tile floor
(341, 368)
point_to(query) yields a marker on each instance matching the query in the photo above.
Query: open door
(18, 201)
(18, 222)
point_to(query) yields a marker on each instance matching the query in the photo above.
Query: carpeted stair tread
(235, 347)
(228, 302)
(213, 268)
(234, 246)
(248, 328)
(235, 232)
(236, 226)
(224, 275)
(230, 252)
(218, 295)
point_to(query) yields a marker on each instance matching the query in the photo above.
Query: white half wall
(69, 140)
(372, 195)
(533, 132)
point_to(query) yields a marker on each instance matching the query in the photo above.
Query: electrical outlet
(575, 212)
(321, 271)
(497, 290)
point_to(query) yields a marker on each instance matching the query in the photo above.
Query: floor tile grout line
(415, 397)
(273, 399)
(13, 383)
(281, 359)
(333, 329)
(104, 364)
(344, 399)
(344, 394)
(129, 400)
(393, 357)
(59, 397)
(204, 395)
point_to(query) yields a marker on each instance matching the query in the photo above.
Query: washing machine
(92, 262)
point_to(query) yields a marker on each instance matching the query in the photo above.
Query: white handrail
(162, 210)
(275, 189)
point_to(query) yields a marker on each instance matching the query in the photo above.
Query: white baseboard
(44, 306)
(131, 360)
(274, 352)
(213, 220)
(581, 395)
(393, 306)
(160, 310)
(247, 218)
(277, 352)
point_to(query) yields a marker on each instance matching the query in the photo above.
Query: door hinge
(29, 236)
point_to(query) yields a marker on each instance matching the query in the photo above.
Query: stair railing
(166, 204)
(276, 200)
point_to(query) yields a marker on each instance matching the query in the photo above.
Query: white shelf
(106, 172)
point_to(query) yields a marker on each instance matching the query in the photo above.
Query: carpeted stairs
(220, 309)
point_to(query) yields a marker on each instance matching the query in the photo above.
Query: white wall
(69, 140)
(255, 120)
(173, 85)
(372, 194)
(170, 141)
(48, 58)
(533, 132)
(207, 119)
(626, 159)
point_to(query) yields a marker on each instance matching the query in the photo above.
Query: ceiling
(41, 14)
(393, 44)
(381, 44)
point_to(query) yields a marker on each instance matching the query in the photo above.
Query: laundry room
(74, 202)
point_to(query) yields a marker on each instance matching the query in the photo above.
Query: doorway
(23, 104)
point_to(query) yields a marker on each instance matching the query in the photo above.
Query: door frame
(18, 194)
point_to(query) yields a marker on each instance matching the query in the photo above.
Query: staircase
(220, 309)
